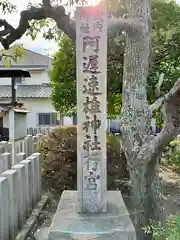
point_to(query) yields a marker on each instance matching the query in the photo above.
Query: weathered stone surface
(28, 183)
(4, 209)
(42, 234)
(34, 144)
(30, 141)
(115, 224)
(4, 145)
(8, 157)
(1, 150)
(20, 157)
(10, 147)
(5, 162)
(25, 146)
(12, 202)
(91, 109)
(33, 185)
(20, 191)
(38, 172)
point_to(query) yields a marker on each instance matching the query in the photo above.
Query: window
(47, 119)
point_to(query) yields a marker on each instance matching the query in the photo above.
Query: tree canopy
(164, 59)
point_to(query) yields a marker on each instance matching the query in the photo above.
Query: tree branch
(157, 104)
(160, 102)
(171, 112)
(63, 21)
(26, 16)
(58, 14)
(46, 3)
(7, 27)
(130, 26)
(159, 84)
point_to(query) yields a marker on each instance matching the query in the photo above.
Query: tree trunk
(136, 119)
(146, 197)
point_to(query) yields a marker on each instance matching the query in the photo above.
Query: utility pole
(13, 89)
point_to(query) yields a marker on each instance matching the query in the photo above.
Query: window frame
(52, 119)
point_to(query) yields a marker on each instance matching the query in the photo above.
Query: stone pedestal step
(42, 234)
(68, 224)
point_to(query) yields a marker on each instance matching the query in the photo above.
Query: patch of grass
(170, 230)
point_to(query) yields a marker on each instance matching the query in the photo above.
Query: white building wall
(37, 78)
(35, 106)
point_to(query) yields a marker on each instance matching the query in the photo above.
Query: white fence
(20, 185)
(41, 130)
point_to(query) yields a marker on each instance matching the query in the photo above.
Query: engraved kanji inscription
(90, 180)
(87, 124)
(94, 165)
(92, 86)
(87, 143)
(85, 28)
(92, 161)
(95, 124)
(86, 163)
(98, 26)
(91, 64)
(92, 42)
(95, 144)
(90, 183)
(91, 145)
(92, 106)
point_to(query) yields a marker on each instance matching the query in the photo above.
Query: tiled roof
(26, 91)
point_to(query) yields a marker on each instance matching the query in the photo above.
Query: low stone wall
(23, 148)
(20, 190)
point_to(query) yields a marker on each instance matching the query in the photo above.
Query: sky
(39, 45)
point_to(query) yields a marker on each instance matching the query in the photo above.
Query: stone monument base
(70, 225)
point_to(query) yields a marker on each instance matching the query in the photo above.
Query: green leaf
(8, 64)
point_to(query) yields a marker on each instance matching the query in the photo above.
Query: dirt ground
(171, 190)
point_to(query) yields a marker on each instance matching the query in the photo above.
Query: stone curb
(23, 234)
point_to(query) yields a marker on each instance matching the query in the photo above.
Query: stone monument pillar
(91, 60)
(92, 212)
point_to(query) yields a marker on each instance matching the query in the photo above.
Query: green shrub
(60, 159)
(169, 231)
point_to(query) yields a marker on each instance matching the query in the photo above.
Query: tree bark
(135, 121)
(146, 197)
